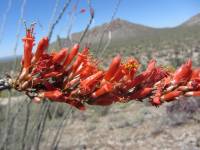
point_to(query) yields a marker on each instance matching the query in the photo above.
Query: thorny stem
(26, 125)
(18, 31)
(53, 15)
(42, 126)
(4, 20)
(89, 23)
(7, 129)
(53, 116)
(7, 83)
(58, 18)
(71, 22)
(12, 120)
(58, 134)
(37, 126)
(107, 28)
(32, 132)
(64, 122)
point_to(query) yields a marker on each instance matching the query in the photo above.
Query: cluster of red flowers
(74, 77)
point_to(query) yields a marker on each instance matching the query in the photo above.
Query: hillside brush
(73, 77)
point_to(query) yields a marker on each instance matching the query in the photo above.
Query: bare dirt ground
(132, 126)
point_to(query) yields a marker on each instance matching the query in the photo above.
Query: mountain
(119, 29)
(193, 21)
(115, 30)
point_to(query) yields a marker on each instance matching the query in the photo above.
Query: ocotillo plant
(73, 77)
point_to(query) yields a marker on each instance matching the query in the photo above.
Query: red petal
(42, 45)
(60, 56)
(113, 68)
(72, 54)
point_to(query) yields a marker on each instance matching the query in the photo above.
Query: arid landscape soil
(131, 126)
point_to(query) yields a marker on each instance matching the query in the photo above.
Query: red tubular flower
(42, 46)
(43, 66)
(184, 88)
(28, 46)
(183, 74)
(118, 75)
(171, 95)
(80, 58)
(87, 70)
(140, 94)
(104, 100)
(156, 101)
(51, 74)
(156, 75)
(36, 81)
(195, 73)
(106, 88)
(72, 54)
(71, 83)
(90, 82)
(143, 76)
(60, 56)
(113, 68)
(137, 80)
(53, 95)
(151, 65)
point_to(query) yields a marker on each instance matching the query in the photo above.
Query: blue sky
(154, 13)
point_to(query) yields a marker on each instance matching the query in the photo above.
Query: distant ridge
(119, 29)
(193, 21)
(9, 58)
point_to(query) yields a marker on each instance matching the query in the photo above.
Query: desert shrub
(183, 110)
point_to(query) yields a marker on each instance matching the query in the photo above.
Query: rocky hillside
(116, 30)
(195, 20)
(120, 29)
